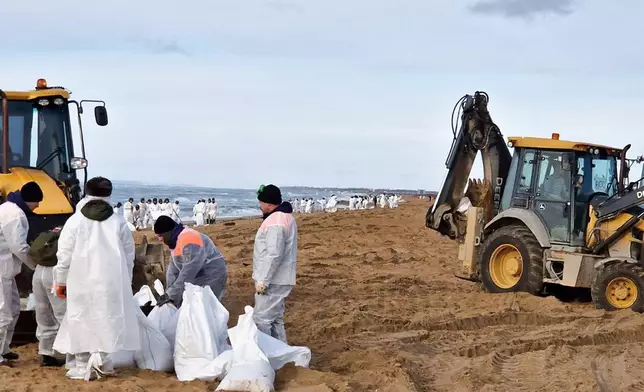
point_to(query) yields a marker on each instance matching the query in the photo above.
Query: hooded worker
(274, 261)
(176, 212)
(94, 273)
(143, 214)
(128, 211)
(195, 260)
(14, 252)
(198, 213)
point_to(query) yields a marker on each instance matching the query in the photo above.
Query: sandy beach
(377, 303)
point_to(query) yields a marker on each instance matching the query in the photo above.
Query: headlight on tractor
(78, 163)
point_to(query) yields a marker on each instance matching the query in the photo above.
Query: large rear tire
(619, 286)
(511, 260)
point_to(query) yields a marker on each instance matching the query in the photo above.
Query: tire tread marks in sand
(515, 347)
(522, 238)
(528, 373)
(614, 270)
(505, 318)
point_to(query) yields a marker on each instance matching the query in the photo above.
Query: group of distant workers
(144, 214)
(85, 308)
(356, 202)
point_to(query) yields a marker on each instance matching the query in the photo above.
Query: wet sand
(377, 303)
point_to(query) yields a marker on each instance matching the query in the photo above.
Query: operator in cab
(14, 251)
(195, 260)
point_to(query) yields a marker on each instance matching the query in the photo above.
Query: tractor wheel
(510, 260)
(619, 286)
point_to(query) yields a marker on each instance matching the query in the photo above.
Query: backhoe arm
(476, 133)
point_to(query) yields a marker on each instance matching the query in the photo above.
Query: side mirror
(78, 163)
(100, 114)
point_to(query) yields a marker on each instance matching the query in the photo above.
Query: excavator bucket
(480, 194)
(150, 263)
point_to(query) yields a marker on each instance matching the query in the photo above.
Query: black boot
(48, 361)
(11, 356)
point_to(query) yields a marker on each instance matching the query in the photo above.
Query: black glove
(164, 299)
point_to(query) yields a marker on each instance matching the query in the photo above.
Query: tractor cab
(37, 145)
(558, 180)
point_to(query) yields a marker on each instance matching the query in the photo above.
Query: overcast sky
(330, 93)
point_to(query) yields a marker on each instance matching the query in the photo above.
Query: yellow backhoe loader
(554, 215)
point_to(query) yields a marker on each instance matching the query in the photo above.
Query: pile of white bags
(193, 340)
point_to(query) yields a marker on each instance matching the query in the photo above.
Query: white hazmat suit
(128, 212)
(274, 267)
(95, 261)
(198, 212)
(50, 310)
(14, 251)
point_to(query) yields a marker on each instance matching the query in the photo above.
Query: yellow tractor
(552, 217)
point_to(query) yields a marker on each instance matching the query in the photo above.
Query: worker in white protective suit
(332, 204)
(198, 213)
(14, 252)
(136, 215)
(49, 309)
(382, 201)
(274, 261)
(166, 208)
(176, 212)
(118, 208)
(309, 206)
(321, 204)
(155, 211)
(94, 273)
(195, 260)
(296, 205)
(143, 215)
(352, 203)
(128, 211)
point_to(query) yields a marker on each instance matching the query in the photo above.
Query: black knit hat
(164, 224)
(31, 193)
(99, 187)
(269, 194)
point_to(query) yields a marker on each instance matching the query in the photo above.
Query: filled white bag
(165, 319)
(155, 353)
(122, 359)
(144, 295)
(202, 330)
(251, 370)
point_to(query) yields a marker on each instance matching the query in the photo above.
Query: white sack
(165, 319)
(280, 353)
(201, 335)
(250, 371)
(144, 295)
(122, 359)
(156, 353)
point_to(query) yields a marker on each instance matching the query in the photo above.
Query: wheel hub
(512, 267)
(621, 293)
(506, 266)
